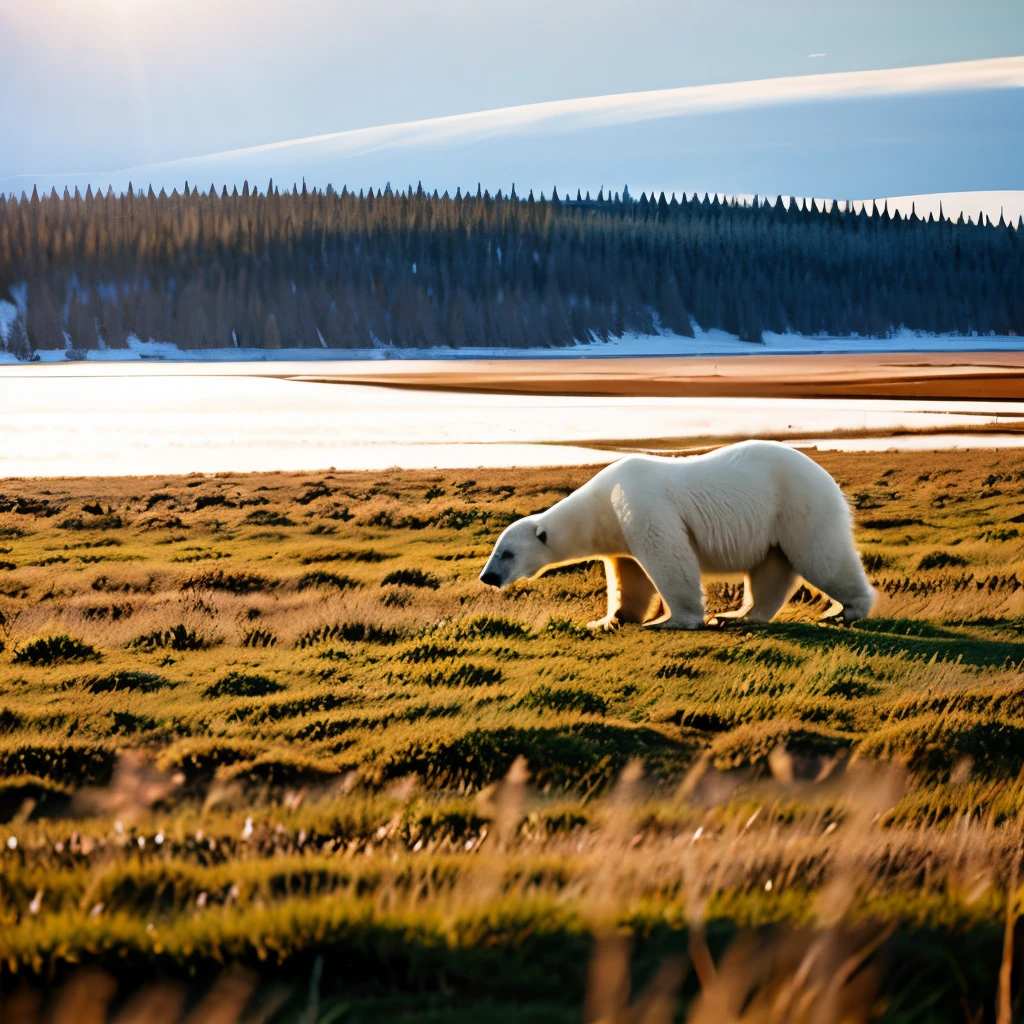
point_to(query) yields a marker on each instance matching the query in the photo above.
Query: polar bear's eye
(543, 536)
(505, 555)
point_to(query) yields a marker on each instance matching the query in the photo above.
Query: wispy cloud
(889, 132)
(558, 116)
(814, 56)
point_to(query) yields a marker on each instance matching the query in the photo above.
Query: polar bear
(758, 507)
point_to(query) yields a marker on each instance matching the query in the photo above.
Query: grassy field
(275, 722)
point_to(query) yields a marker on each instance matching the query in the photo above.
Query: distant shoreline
(957, 376)
(705, 344)
(966, 375)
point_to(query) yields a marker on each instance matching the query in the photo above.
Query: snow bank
(705, 343)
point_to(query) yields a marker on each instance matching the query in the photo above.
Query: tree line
(306, 268)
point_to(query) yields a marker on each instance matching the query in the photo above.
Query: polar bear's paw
(608, 624)
(726, 622)
(834, 615)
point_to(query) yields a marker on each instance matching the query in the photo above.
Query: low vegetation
(447, 806)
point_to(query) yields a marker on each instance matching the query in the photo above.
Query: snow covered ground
(706, 343)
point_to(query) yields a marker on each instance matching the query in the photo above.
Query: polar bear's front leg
(631, 594)
(666, 555)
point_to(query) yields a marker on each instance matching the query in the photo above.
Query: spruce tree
(337, 266)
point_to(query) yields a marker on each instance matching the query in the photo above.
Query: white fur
(759, 507)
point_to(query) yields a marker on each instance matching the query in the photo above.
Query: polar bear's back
(758, 469)
(738, 501)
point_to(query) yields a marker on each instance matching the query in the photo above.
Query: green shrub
(459, 518)
(875, 561)
(933, 744)
(177, 638)
(769, 656)
(211, 500)
(277, 709)
(677, 670)
(411, 578)
(233, 583)
(267, 517)
(140, 682)
(429, 653)
(258, 638)
(314, 491)
(56, 650)
(703, 719)
(199, 759)
(353, 632)
(564, 699)
(587, 755)
(940, 560)
(193, 554)
(338, 513)
(570, 629)
(486, 626)
(894, 523)
(355, 555)
(750, 744)
(127, 723)
(319, 578)
(74, 762)
(95, 522)
(464, 674)
(242, 684)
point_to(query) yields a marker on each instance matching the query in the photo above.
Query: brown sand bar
(991, 376)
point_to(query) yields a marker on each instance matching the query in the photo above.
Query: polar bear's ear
(542, 536)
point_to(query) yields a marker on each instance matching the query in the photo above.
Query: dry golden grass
(254, 720)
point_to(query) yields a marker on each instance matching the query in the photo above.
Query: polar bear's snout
(520, 551)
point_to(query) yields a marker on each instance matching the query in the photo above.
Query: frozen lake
(89, 420)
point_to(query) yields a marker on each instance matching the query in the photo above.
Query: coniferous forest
(340, 270)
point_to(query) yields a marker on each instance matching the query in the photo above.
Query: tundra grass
(261, 719)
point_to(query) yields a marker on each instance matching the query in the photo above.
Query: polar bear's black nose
(491, 579)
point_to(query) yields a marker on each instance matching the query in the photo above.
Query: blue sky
(105, 84)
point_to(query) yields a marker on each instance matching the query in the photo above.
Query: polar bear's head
(522, 551)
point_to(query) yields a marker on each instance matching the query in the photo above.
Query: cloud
(895, 131)
(557, 116)
(601, 111)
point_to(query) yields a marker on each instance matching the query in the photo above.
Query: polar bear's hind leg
(768, 587)
(772, 584)
(835, 569)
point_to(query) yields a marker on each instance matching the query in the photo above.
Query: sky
(936, 128)
(105, 84)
